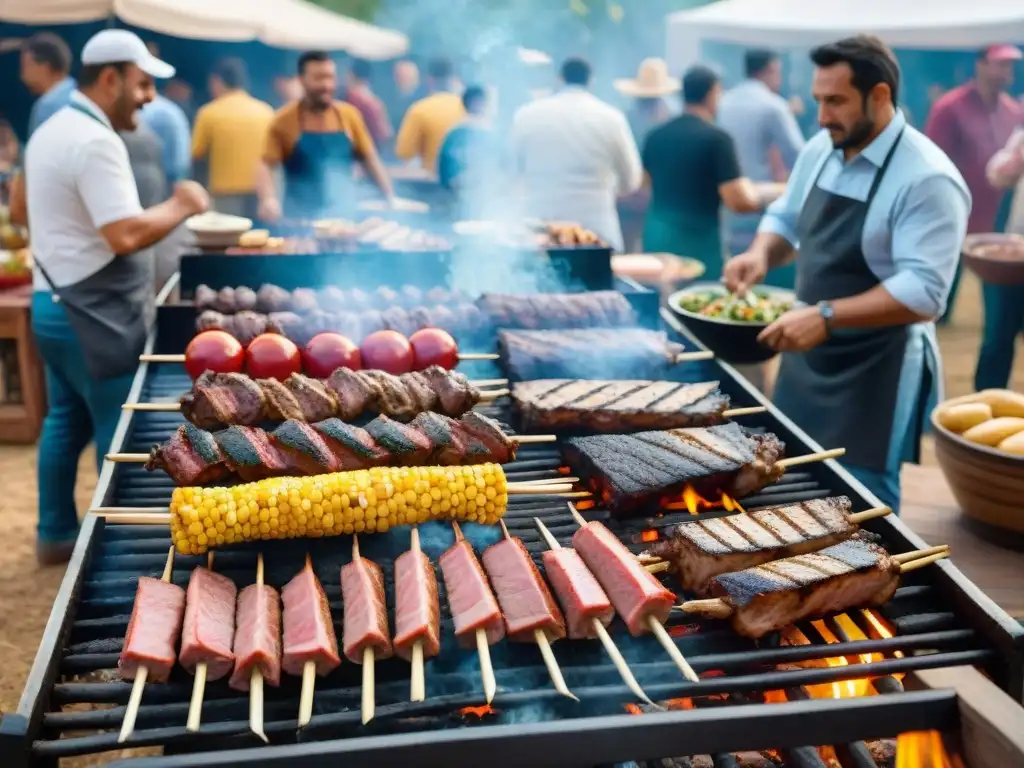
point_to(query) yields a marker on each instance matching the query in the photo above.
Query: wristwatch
(827, 313)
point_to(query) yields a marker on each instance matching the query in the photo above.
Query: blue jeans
(81, 409)
(1004, 323)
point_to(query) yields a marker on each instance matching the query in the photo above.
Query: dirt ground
(27, 591)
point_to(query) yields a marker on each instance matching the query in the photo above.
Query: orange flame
(564, 470)
(633, 709)
(649, 536)
(693, 502)
(678, 704)
(924, 749)
(683, 630)
(478, 712)
(583, 504)
(775, 697)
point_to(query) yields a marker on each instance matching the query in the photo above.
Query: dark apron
(111, 311)
(844, 392)
(318, 177)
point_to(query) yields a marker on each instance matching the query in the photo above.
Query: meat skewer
(153, 357)
(366, 635)
(529, 610)
(472, 604)
(587, 607)
(537, 311)
(207, 638)
(639, 598)
(700, 550)
(257, 645)
(149, 652)
(310, 646)
(847, 575)
(417, 616)
(196, 457)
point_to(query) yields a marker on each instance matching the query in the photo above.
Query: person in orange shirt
(317, 141)
(231, 132)
(428, 120)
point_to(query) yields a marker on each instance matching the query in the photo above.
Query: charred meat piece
(769, 597)
(355, 394)
(272, 298)
(417, 613)
(628, 472)
(153, 630)
(204, 298)
(246, 326)
(406, 445)
(579, 593)
(586, 353)
(212, 320)
(455, 395)
(298, 397)
(366, 614)
(635, 593)
(550, 311)
(304, 300)
(251, 453)
(191, 457)
(287, 324)
(617, 406)
(218, 399)
(525, 599)
(402, 397)
(470, 600)
(257, 636)
(308, 628)
(703, 549)
(209, 629)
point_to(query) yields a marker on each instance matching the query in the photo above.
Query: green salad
(757, 306)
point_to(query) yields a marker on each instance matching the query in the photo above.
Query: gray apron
(843, 393)
(111, 311)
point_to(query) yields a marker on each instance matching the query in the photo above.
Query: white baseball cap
(112, 46)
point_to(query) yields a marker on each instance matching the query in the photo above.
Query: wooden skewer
(417, 681)
(658, 567)
(152, 358)
(195, 705)
(811, 458)
(369, 658)
(493, 394)
(483, 650)
(256, 677)
(131, 712)
(691, 357)
(869, 514)
(308, 680)
(714, 608)
(906, 557)
(606, 640)
(531, 439)
(554, 671)
(915, 564)
(733, 412)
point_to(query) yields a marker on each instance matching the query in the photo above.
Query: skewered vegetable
(372, 500)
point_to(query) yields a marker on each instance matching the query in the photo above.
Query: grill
(751, 696)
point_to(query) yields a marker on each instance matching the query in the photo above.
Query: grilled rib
(593, 309)
(617, 406)
(699, 551)
(590, 353)
(195, 457)
(766, 598)
(223, 399)
(630, 471)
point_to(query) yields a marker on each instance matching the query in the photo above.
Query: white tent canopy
(921, 24)
(281, 23)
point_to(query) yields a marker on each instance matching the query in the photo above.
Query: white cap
(112, 46)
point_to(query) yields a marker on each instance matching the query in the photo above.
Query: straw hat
(652, 81)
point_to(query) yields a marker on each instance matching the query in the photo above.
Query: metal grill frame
(575, 740)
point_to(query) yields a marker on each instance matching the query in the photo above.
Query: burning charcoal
(755, 760)
(303, 300)
(883, 752)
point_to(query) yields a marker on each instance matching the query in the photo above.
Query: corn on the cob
(368, 500)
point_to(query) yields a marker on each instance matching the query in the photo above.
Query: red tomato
(327, 352)
(272, 356)
(215, 351)
(388, 351)
(432, 346)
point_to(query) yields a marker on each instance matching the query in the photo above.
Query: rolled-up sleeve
(927, 233)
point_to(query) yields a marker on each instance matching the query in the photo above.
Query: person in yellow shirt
(230, 132)
(317, 140)
(428, 120)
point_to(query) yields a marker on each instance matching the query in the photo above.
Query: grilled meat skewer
(195, 457)
(222, 399)
(617, 406)
(272, 298)
(537, 311)
(629, 471)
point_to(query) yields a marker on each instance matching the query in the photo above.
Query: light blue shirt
(55, 99)
(759, 119)
(168, 121)
(916, 223)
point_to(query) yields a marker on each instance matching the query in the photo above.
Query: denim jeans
(81, 410)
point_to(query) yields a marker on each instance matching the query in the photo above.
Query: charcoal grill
(73, 702)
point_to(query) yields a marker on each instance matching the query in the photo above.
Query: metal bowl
(988, 484)
(731, 340)
(979, 255)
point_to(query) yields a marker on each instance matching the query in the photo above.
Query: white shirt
(576, 155)
(78, 180)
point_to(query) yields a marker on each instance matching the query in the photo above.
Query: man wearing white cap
(93, 301)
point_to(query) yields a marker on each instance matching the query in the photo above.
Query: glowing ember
(693, 502)
(775, 697)
(683, 630)
(478, 712)
(633, 709)
(678, 704)
(924, 749)
(564, 470)
(585, 504)
(648, 536)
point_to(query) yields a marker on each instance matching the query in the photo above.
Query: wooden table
(929, 508)
(22, 422)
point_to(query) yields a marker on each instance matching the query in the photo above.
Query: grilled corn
(369, 500)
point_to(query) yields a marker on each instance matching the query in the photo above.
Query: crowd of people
(877, 210)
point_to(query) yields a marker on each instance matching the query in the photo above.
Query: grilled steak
(470, 600)
(593, 353)
(417, 614)
(209, 628)
(700, 550)
(579, 593)
(525, 599)
(630, 471)
(308, 627)
(617, 406)
(536, 311)
(153, 630)
(366, 614)
(257, 636)
(772, 596)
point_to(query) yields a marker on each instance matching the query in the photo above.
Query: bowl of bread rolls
(979, 443)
